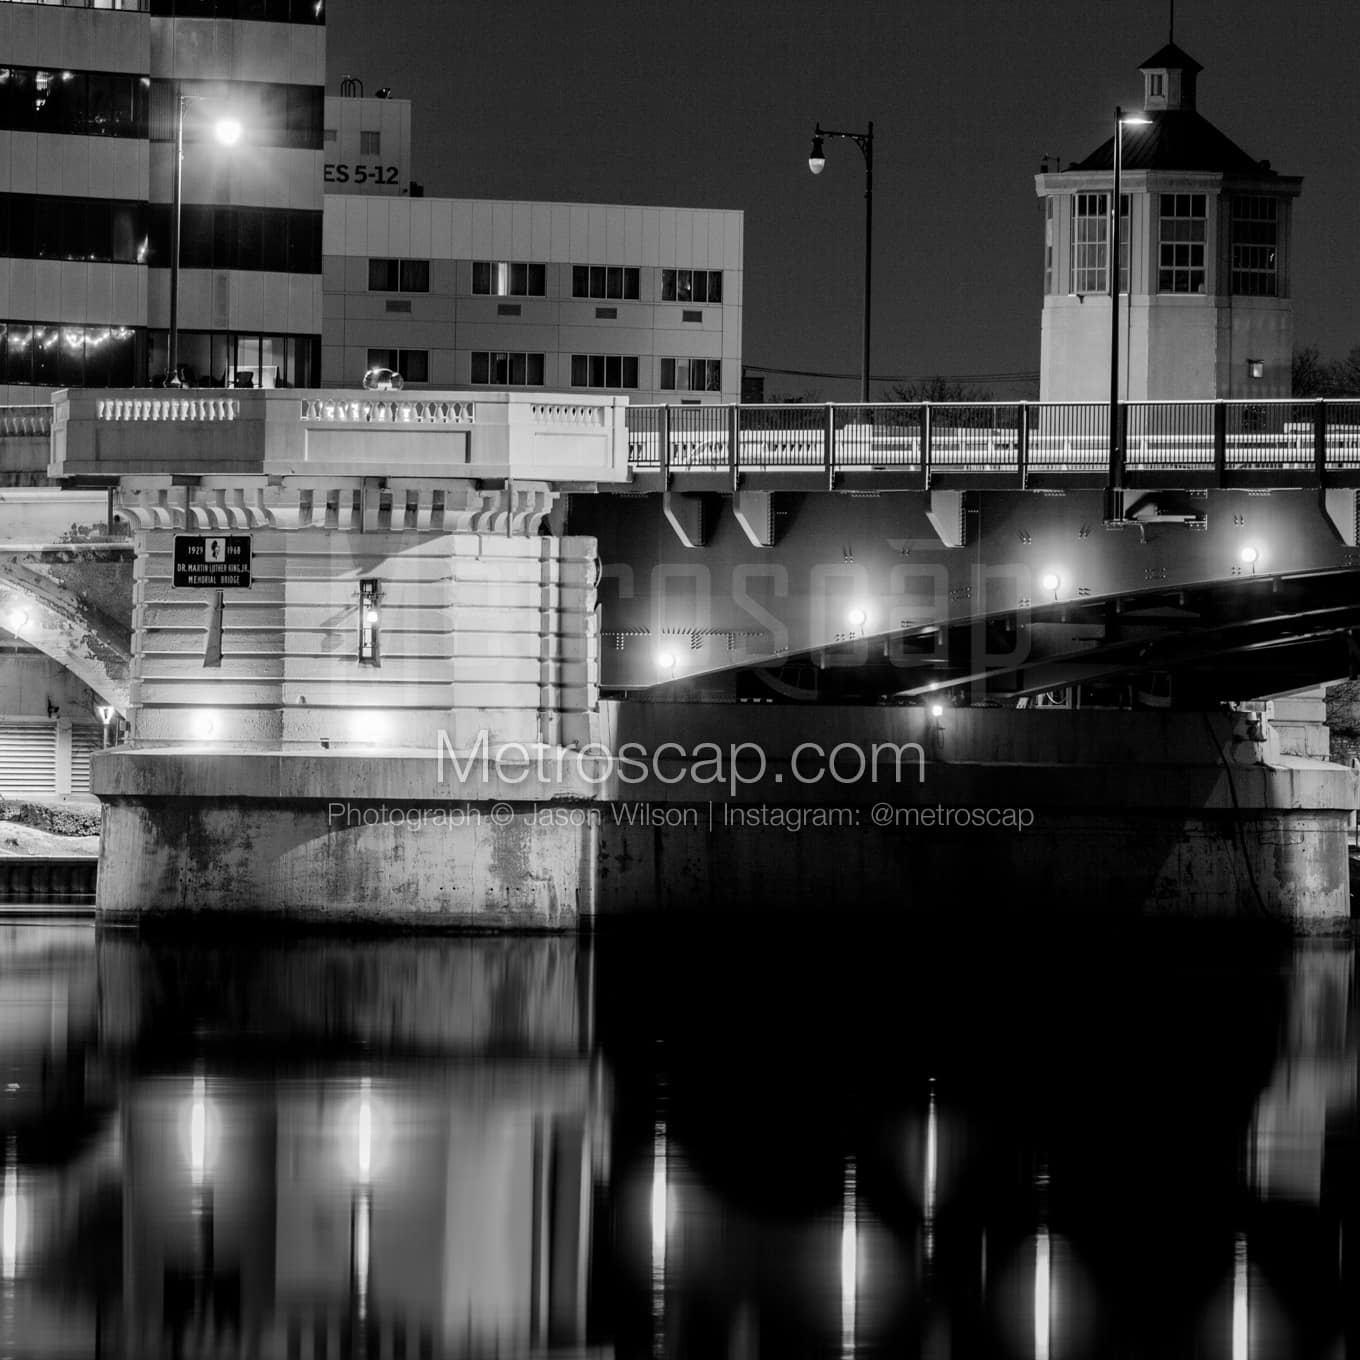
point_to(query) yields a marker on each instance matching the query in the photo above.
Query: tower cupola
(1169, 77)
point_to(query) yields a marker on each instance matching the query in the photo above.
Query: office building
(89, 98)
(463, 293)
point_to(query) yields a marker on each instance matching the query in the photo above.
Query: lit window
(691, 285)
(509, 278)
(1255, 246)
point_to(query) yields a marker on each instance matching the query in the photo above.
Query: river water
(779, 1144)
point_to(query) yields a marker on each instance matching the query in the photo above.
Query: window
(286, 240)
(412, 364)
(1090, 233)
(1048, 246)
(93, 4)
(370, 143)
(234, 359)
(1157, 85)
(1255, 242)
(329, 136)
(83, 103)
(34, 226)
(275, 11)
(1180, 243)
(501, 369)
(509, 278)
(603, 281)
(691, 285)
(604, 370)
(398, 276)
(49, 354)
(691, 375)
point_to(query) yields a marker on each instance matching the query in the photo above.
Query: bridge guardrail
(1014, 438)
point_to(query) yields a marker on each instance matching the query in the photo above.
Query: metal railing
(1017, 438)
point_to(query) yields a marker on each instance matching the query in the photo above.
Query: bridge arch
(38, 612)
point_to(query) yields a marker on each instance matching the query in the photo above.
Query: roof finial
(1171, 27)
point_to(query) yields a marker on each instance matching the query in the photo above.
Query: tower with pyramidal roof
(1204, 237)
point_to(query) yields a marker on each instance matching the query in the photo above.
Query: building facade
(367, 142)
(89, 102)
(464, 293)
(1204, 240)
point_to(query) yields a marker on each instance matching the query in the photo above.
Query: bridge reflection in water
(634, 1145)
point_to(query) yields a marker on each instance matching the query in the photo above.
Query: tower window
(1090, 233)
(1157, 85)
(1183, 229)
(1255, 246)
(1048, 246)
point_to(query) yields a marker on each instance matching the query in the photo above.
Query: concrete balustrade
(286, 432)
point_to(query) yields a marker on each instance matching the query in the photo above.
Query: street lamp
(817, 163)
(1114, 509)
(227, 130)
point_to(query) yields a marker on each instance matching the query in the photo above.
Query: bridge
(439, 574)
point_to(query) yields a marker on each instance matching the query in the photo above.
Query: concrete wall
(476, 631)
(994, 811)
(350, 166)
(266, 755)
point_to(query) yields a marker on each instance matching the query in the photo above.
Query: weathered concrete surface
(342, 840)
(1092, 813)
(739, 810)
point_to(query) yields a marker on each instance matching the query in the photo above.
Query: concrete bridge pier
(363, 735)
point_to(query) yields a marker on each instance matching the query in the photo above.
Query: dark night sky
(711, 103)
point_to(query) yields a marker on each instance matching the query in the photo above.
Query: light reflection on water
(676, 1147)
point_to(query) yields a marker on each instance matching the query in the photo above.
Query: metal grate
(28, 757)
(85, 741)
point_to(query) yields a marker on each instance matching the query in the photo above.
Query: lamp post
(1114, 509)
(227, 130)
(817, 163)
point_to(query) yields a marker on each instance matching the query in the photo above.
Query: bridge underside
(1198, 596)
(1196, 645)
